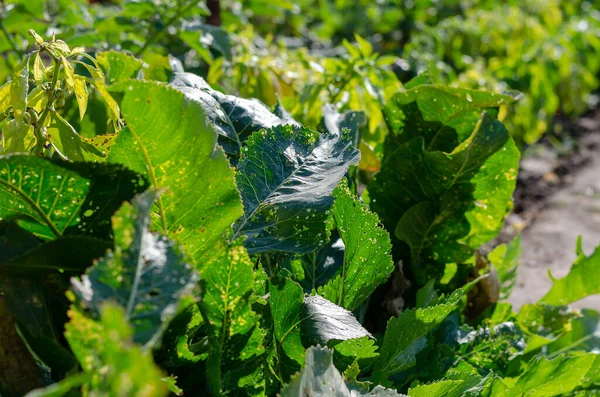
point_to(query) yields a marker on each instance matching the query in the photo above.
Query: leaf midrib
(153, 178)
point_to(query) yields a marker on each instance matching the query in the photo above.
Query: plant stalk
(40, 139)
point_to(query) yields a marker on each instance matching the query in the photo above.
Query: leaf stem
(157, 33)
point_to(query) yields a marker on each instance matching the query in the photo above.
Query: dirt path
(549, 241)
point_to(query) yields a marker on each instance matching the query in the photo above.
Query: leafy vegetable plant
(177, 240)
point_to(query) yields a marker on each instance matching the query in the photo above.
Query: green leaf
(443, 116)
(118, 66)
(505, 260)
(286, 178)
(227, 282)
(367, 258)
(234, 119)
(544, 323)
(106, 353)
(444, 119)
(583, 280)
(544, 377)
(286, 305)
(168, 140)
(439, 196)
(320, 377)
(404, 336)
(435, 389)
(52, 199)
(19, 89)
(146, 274)
(70, 145)
(17, 137)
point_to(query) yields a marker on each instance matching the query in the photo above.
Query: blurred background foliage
(352, 53)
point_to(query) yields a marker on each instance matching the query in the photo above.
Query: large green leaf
(227, 282)
(404, 336)
(234, 119)
(583, 280)
(146, 274)
(286, 177)
(545, 378)
(438, 140)
(367, 259)
(168, 140)
(442, 201)
(53, 199)
(442, 116)
(320, 377)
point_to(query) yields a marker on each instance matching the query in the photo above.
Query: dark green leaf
(234, 119)
(286, 178)
(52, 199)
(146, 274)
(404, 336)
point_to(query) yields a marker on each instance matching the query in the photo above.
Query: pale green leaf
(38, 69)
(168, 140)
(81, 94)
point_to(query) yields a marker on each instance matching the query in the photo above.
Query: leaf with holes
(286, 178)
(227, 282)
(168, 140)
(367, 257)
(146, 274)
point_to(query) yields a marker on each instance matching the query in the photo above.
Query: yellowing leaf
(69, 74)
(81, 93)
(38, 69)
